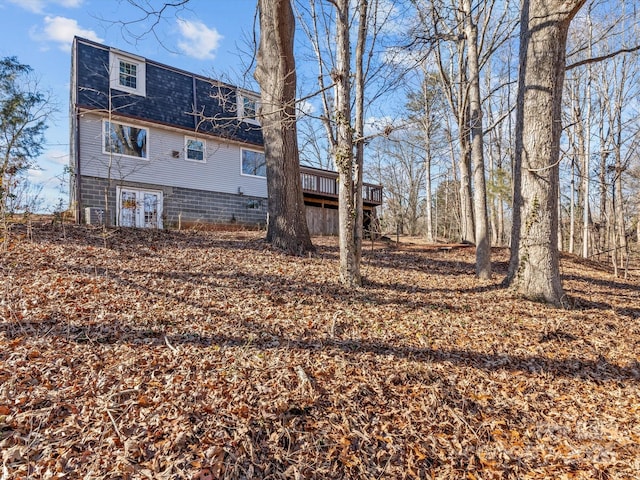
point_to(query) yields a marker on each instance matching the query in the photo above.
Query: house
(155, 146)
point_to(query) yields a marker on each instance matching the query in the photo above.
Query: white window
(127, 73)
(126, 140)
(248, 109)
(195, 149)
(253, 163)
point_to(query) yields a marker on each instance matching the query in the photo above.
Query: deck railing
(325, 183)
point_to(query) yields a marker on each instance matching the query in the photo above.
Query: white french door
(139, 208)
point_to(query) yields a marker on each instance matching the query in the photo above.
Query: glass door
(139, 208)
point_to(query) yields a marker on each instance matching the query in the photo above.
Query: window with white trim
(127, 73)
(195, 149)
(123, 139)
(248, 109)
(253, 163)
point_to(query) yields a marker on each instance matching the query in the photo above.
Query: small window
(127, 73)
(125, 140)
(248, 109)
(195, 149)
(253, 163)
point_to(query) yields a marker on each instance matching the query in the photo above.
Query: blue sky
(211, 37)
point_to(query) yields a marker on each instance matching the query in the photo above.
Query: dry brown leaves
(209, 355)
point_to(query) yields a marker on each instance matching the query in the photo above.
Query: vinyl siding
(220, 173)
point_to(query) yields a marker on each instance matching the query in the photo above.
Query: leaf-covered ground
(169, 355)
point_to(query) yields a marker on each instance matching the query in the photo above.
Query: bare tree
(276, 74)
(534, 269)
(425, 108)
(400, 163)
(601, 133)
(499, 145)
(483, 245)
(342, 81)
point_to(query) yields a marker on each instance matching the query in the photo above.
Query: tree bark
(620, 166)
(455, 91)
(359, 128)
(534, 269)
(464, 167)
(276, 73)
(428, 191)
(343, 151)
(586, 171)
(483, 245)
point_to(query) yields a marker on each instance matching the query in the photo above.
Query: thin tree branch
(601, 58)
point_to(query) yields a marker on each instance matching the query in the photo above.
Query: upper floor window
(127, 73)
(248, 109)
(253, 163)
(194, 149)
(125, 140)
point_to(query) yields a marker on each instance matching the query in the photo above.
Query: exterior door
(139, 208)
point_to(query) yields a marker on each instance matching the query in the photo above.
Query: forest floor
(199, 355)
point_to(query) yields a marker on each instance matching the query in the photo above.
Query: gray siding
(220, 173)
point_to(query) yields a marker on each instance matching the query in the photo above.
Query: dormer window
(127, 73)
(248, 109)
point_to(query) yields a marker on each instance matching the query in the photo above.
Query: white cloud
(38, 6)
(57, 157)
(402, 57)
(305, 107)
(377, 125)
(61, 30)
(198, 40)
(36, 174)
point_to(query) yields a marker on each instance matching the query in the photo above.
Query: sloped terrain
(209, 355)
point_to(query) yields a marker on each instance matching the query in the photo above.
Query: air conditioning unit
(94, 216)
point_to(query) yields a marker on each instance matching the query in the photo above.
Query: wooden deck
(323, 185)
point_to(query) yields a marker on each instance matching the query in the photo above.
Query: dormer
(248, 107)
(127, 73)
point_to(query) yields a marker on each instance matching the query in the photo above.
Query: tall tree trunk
(619, 213)
(572, 207)
(359, 128)
(464, 166)
(619, 166)
(493, 152)
(428, 194)
(343, 150)
(586, 172)
(577, 145)
(456, 94)
(534, 269)
(483, 245)
(427, 128)
(276, 74)
(559, 224)
(602, 178)
(448, 213)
